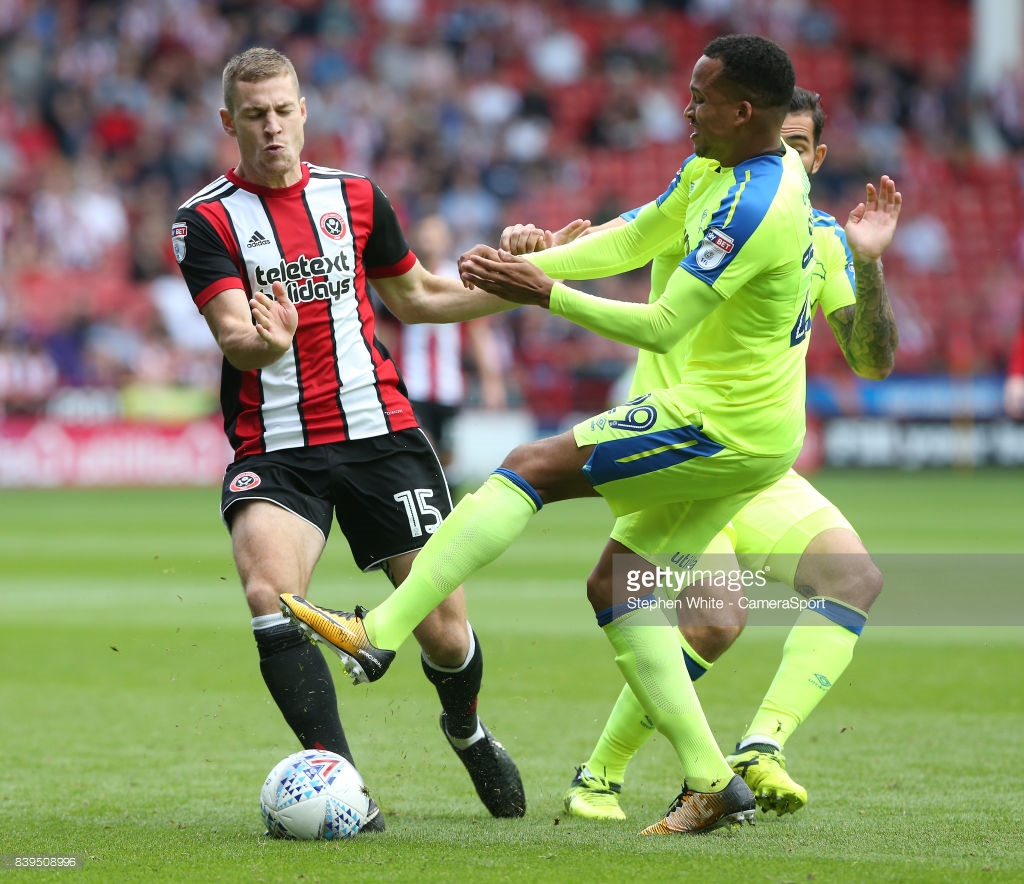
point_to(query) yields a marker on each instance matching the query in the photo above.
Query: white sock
(747, 742)
(268, 621)
(463, 664)
(478, 734)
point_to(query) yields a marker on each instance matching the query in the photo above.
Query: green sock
(477, 531)
(816, 653)
(629, 727)
(647, 654)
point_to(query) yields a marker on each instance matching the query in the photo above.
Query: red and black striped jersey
(323, 237)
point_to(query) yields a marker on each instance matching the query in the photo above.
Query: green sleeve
(657, 326)
(611, 251)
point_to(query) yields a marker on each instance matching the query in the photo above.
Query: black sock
(458, 690)
(300, 682)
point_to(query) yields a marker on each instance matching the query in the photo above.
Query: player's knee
(732, 627)
(524, 461)
(709, 642)
(599, 590)
(551, 466)
(713, 637)
(868, 585)
(859, 585)
(444, 637)
(262, 598)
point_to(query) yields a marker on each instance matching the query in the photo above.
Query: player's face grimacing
(798, 133)
(267, 122)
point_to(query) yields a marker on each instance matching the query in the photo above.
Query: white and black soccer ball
(314, 794)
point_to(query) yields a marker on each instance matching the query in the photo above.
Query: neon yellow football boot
(763, 767)
(593, 797)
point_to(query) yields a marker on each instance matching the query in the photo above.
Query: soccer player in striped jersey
(790, 529)
(278, 255)
(731, 246)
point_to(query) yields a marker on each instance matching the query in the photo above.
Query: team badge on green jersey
(713, 249)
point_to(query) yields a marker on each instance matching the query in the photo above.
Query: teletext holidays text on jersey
(296, 275)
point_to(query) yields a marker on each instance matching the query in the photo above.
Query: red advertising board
(46, 453)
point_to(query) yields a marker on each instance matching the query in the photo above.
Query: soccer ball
(314, 794)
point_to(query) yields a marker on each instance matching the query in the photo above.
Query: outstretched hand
(500, 273)
(872, 224)
(276, 317)
(521, 239)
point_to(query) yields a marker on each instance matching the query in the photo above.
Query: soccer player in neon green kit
(731, 245)
(802, 538)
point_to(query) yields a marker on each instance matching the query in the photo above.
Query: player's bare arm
(252, 333)
(506, 275)
(421, 296)
(866, 331)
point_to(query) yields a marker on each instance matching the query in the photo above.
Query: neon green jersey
(729, 311)
(834, 283)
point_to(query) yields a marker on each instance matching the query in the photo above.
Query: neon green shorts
(775, 528)
(652, 457)
(772, 530)
(681, 532)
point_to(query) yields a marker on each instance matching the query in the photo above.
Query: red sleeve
(386, 252)
(206, 252)
(214, 289)
(403, 266)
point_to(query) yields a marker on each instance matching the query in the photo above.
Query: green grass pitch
(136, 731)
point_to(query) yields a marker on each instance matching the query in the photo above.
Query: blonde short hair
(252, 66)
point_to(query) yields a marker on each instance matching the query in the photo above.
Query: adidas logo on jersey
(257, 239)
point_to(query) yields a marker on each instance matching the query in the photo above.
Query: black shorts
(437, 420)
(388, 493)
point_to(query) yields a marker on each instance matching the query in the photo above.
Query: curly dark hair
(760, 69)
(805, 101)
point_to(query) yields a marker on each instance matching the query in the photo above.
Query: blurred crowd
(483, 112)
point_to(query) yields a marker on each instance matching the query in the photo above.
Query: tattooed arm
(866, 331)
